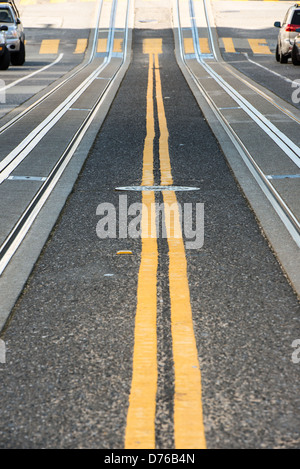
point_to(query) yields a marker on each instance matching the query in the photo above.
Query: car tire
(18, 58)
(5, 60)
(277, 55)
(282, 58)
(294, 56)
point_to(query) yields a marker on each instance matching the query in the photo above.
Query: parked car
(287, 33)
(4, 52)
(15, 36)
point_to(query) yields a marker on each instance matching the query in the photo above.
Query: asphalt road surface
(73, 341)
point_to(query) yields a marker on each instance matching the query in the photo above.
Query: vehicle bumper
(13, 45)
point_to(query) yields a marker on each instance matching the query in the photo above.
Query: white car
(15, 36)
(287, 33)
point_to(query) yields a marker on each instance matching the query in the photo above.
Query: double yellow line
(188, 418)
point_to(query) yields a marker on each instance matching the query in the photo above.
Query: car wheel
(18, 58)
(283, 59)
(277, 54)
(5, 60)
(294, 56)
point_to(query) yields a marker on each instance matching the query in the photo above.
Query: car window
(5, 16)
(296, 17)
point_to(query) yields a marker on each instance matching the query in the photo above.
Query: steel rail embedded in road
(43, 98)
(289, 147)
(19, 231)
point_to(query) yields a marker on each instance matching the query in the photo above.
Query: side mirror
(277, 24)
(4, 28)
(18, 21)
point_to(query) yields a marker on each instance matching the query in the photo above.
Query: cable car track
(23, 149)
(290, 149)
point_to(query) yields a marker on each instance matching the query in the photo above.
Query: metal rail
(19, 231)
(43, 98)
(289, 148)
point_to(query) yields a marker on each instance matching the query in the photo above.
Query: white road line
(16, 82)
(19, 153)
(268, 70)
(283, 211)
(61, 165)
(287, 145)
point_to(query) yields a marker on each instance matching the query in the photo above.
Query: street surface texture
(70, 341)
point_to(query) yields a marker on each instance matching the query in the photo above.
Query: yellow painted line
(188, 415)
(204, 46)
(49, 46)
(118, 45)
(58, 1)
(102, 45)
(148, 178)
(228, 44)
(259, 46)
(81, 46)
(164, 156)
(188, 45)
(140, 426)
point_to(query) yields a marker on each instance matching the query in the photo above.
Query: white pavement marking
(16, 82)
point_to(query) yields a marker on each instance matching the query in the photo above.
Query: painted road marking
(204, 46)
(228, 44)
(259, 46)
(19, 80)
(164, 156)
(188, 45)
(188, 418)
(140, 427)
(159, 188)
(49, 46)
(188, 415)
(118, 45)
(102, 45)
(81, 46)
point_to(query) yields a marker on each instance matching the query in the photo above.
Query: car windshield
(296, 18)
(5, 16)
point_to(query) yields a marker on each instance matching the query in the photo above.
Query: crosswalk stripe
(188, 45)
(102, 45)
(228, 44)
(81, 46)
(259, 46)
(204, 46)
(118, 45)
(49, 46)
